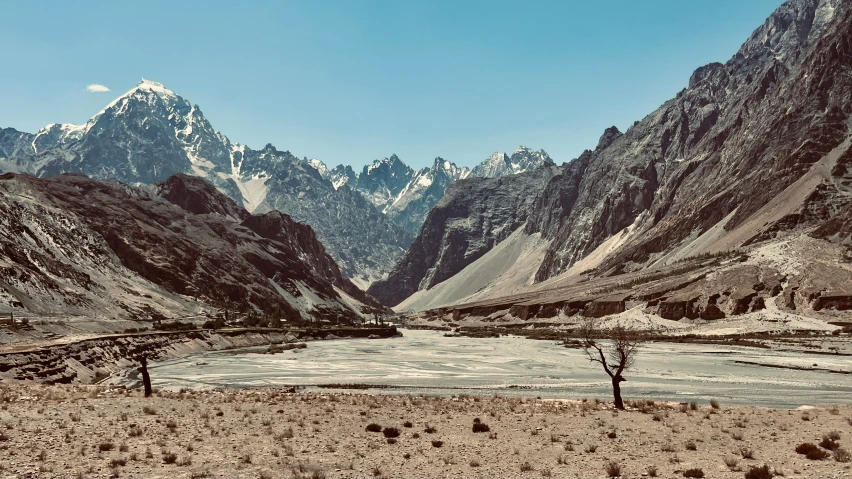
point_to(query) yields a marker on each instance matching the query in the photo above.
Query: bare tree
(146, 379)
(615, 349)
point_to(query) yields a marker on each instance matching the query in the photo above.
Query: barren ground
(89, 431)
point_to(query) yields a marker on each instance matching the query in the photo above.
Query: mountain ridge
(751, 155)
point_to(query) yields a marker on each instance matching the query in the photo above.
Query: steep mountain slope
(730, 143)
(106, 249)
(150, 133)
(752, 153)
(473, 215)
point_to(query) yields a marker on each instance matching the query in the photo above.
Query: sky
(351, 81)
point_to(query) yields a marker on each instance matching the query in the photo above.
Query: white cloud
(96, 88)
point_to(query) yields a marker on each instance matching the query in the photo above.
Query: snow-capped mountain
(151, 133)
(383, 180)
(407, 196)
(501, 164)
(395, 189)
(366, 220)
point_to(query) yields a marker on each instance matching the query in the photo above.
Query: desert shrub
(761, 472)
(746, 452)
(731, 462)
(118, 462)
(473, 463)
(829, 441)
(390, 432)
(714, 404)
(373, 427)
(811, 451)
(169, 457)
(526, 467)
(613, 469)
(694, 472)
(693, 405)
(149, 410)
(591, 448)
(407, 424)
(430, 429)
(652, 471)
(436, 443)
(611, 435)
(106, 446)
(691, 446)
(481, 427)
(842, 455)
(391, 440)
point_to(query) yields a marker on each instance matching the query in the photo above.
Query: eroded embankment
(87, 360)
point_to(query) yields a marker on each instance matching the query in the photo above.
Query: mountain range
(150, 133)
(731, 198)
(750, 159)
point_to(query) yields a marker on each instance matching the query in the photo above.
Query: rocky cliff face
(79, 246)
(473, 215)
(753, 149)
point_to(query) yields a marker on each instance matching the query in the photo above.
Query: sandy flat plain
(92, 431)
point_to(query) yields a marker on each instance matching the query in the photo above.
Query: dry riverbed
(91, 431)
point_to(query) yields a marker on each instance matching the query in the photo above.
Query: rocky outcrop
(199, 197)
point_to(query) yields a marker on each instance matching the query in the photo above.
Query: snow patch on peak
(155, 87)
(319, 166)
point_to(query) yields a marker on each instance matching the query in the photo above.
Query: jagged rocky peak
(788, 31)
(197, 196)
(501, 164)
(609, 135)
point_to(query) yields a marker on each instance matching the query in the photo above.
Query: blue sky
(351, 81)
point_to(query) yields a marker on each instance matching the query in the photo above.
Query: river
(426, 362)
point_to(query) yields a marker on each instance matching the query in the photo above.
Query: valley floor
(91, 431)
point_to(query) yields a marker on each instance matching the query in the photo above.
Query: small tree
(146, 378)
(614, 349)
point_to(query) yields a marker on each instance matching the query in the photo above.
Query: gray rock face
(736, 138)
(728, 144)
(473, 215)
